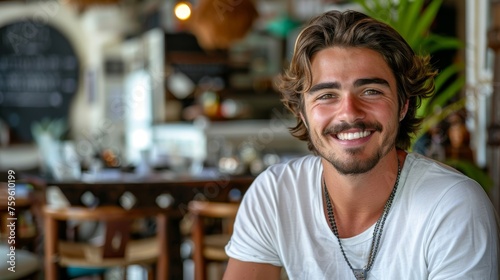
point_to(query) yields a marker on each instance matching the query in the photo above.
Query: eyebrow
(320, 86)
(362, 82)
(357, 83)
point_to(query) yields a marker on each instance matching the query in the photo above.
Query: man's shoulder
(292, 179)
(296, 164)
(429, 175)
(301, 168)
(421, 164)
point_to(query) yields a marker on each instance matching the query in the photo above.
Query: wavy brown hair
(414, 74)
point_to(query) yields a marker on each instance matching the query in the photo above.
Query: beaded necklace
(362, 273)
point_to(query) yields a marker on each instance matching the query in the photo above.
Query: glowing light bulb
(182, 10)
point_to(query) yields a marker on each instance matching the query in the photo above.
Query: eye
(372, 92)
(326, 96)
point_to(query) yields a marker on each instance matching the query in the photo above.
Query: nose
(351, 109)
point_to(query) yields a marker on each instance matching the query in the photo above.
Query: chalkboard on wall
(39, 75)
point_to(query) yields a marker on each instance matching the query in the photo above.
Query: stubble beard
(352, 165)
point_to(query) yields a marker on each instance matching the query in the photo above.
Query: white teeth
(353, 136)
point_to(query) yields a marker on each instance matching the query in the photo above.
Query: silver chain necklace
(362, 273)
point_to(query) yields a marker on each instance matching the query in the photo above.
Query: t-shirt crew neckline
(368, 233)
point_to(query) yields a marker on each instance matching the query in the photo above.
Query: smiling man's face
(351, 110)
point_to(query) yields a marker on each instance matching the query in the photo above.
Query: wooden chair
(116, 249)
(210, 247)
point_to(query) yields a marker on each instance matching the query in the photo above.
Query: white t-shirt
(441, 226)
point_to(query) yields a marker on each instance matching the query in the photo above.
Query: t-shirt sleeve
(254, 235)
(463, 239)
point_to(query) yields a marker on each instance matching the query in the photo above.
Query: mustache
(343, 126)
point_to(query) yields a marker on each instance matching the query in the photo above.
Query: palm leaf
(434, 43)
(402, 11)
(445, 95)
(410, 20)
(449, 93)
(445, 75)
(424, 21)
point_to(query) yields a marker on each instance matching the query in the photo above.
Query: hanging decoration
(217, 24)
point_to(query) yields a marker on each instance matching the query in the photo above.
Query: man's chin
(355, 165)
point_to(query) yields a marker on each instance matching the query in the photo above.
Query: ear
(404, 110)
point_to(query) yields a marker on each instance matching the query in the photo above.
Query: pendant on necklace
(360, 274)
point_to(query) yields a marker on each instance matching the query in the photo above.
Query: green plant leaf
(447, 73)
(410, 19)
(371, 8)
(378, 5)
(365, 6)
(446, 95)
(424, 22)
(402, 9)
(435, 43)
(423, 110)
(378, 9)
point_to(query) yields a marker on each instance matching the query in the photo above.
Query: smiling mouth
(353, 135)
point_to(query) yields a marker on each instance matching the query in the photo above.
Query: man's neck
(358, 200)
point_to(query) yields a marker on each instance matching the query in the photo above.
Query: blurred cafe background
(101, 92)
(122, 83)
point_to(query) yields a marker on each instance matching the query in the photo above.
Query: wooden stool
(210, 248)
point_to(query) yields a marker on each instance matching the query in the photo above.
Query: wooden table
(169, 191)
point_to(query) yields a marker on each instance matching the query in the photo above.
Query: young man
(361, 207)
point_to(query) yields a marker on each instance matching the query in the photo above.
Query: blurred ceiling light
(182, 10)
